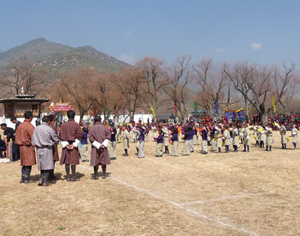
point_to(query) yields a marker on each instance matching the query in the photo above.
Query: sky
(264, 31)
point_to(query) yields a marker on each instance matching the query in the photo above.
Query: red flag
(92, 113)
(175, 109)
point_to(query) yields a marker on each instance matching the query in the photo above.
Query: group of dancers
(216, 135)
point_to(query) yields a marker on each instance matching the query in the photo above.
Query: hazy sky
(263, 31)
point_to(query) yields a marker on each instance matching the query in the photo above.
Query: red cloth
(99, 133)
(23, 138)
(70, 131)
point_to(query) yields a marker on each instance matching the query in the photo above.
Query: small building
(19, 104)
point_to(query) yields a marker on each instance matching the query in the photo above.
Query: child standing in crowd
(174, 140)
(84, 153)
(295, 136)
(141, 142)
(160, 144)
(235, 141)
(204, 134)
(113, 143)
(125, 134)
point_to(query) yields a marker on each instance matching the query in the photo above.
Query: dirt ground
(252, 193)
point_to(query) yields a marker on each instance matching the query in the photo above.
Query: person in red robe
(70, 136)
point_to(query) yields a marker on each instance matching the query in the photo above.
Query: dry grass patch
(215, 194)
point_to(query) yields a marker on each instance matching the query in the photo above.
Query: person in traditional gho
(294, 134)
(160, 144)
(126, 139)
(262, 136)
(54, 147)
(198, 132)
(118, 130)
(141, 141)
(113, 143)
(235, 142)
(44, 139)
(183, 129)
(70, 136)
(154, 129)
(137, 133)
(23, 138)
(230, 129)
(282, 130)
(204, 134)
(99, 136)
(269, 137)
(255, 128)
(188, 136)
(226, 137)
(166, 139)
(195, 138)
(134, 134)
(242, 134)
(246, 137)
(84, 151)
(192, 149)
(174, 142)
(147, 134)
(17, 150)
(212, 138)
(218, 133)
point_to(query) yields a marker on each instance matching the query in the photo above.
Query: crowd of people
(42, 142)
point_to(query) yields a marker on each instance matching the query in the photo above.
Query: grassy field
(252, 193)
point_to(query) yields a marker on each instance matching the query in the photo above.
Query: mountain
(59, 57)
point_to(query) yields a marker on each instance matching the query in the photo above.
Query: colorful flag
(123, 111)
(175, 108)
(88, 115)
(273, 104)
(108, 112)
(216, 108)
(233, 114)
(92, 112)
(195, 106)
(153, 112)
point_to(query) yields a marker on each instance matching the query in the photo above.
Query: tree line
(153, 83)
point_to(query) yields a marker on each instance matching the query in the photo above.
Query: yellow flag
(273, 104)
(88, 115)
(276, 124)
(152, 109)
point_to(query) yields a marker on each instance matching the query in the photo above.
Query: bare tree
(24, 74)
(154, 80)
(212, 83)
(257, 84)
(286, 84)
(79, 86)
(104, 94)
(179, 75)
(130, 83)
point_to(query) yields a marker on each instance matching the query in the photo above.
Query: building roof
(24, 98)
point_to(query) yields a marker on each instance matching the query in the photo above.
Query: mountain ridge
(52, 54)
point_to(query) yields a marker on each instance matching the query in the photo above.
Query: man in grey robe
(44, 138)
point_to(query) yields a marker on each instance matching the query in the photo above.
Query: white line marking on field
(180, 205)
(223, 198)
